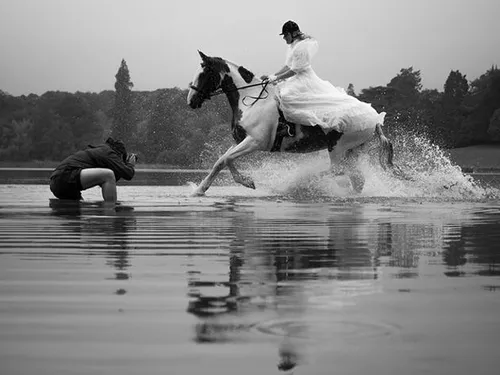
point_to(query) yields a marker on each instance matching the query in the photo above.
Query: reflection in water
(99, 230)
(294, 283)
(474, 244)
(273, 269)
(283, 268)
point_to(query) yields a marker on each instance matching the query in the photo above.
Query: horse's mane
(232, 63)
(246, 74)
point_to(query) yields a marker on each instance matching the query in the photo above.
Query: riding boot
(331, 139)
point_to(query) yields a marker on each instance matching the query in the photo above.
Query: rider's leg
(103, 177)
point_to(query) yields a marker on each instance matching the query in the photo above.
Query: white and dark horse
(258, 126)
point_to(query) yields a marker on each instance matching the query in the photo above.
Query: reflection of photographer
(101, 165)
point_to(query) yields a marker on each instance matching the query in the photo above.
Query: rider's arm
(286, 74)
(283, 70)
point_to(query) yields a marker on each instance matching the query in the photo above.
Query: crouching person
(101, 165)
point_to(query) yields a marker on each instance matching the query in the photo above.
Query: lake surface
(298, 278)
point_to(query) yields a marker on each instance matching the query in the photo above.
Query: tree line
(161, 128)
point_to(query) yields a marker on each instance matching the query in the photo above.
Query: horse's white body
(259, 119)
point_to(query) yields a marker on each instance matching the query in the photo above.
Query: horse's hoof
(248, 183)
(197, 193)
(358, 183)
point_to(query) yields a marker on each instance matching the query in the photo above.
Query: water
(299, 276)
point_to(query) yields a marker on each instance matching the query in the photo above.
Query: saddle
(289, 129)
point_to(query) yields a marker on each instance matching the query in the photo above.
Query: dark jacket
(102, 156)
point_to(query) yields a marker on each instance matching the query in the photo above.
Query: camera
(130, 155)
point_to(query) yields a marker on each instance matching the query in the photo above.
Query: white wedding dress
(306, 99)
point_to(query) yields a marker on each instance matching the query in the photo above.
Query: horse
(260, 126)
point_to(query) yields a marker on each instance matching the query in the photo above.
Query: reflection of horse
(255, 125)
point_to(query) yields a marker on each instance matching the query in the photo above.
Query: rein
(222, 91)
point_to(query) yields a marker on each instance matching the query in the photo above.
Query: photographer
(101, 165)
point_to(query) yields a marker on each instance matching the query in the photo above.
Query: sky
(78, 45)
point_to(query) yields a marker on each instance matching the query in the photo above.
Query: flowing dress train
(306, 99)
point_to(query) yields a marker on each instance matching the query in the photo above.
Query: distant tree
(15, 143)
(480, 105)
(122, 111)
(76, 113)
(407, 85)
(350, 90)
(450, 117)
(165, 127)
(455, 88)
(381, 97)
(494, 128)
(481, 84)
(429, 108)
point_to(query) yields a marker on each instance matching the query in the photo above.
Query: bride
(306, 99)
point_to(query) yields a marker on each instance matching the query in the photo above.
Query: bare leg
(103, 177)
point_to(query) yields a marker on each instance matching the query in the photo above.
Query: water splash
(424, 171)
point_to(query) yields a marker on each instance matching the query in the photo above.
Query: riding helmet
(289, 27)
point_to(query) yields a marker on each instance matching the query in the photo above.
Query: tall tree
(450, 117)
(122, 111)
(350, 90)
(481, 103)
(407, 85)
(456, 87)
(494, 127)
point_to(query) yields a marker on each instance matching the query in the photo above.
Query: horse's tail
(387, 151)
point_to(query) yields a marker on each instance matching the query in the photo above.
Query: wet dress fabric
(306, 99)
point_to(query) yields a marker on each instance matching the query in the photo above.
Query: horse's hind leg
(386, 149)
(355, 174)
(345, 156)
(345, 163)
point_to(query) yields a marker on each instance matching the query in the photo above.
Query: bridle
(219, 90)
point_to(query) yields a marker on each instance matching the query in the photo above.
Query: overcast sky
(77, 45)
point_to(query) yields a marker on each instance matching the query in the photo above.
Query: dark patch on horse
(246, 74)
(227, 85)
(210, 78)
(239, 133)
(285, 126)
(285, 129)
(233, 98)
(314, 139)
(216, 63)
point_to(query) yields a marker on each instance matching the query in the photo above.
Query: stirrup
(283, 123)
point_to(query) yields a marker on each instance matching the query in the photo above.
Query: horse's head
(207, 80)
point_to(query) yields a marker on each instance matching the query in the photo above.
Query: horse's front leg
(207, 181)
(247, 146)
